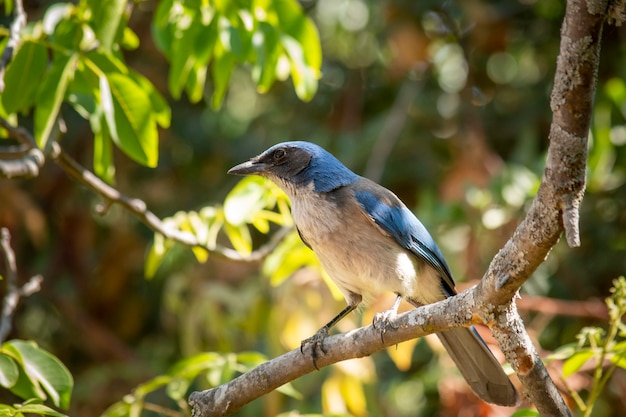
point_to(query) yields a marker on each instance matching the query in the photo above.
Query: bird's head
(294, 165)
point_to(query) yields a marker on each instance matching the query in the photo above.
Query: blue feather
(392, 216)
(326, 171)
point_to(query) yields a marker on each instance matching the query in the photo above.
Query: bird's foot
(317, 345)
(382, 322)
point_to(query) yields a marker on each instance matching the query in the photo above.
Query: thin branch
(26, 166)
(13, 292)
(138, 207)
(14, 38)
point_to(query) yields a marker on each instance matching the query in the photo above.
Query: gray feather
(479, 367)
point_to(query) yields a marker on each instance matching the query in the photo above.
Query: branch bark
(554, 210)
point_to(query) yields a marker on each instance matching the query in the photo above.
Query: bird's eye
(279, 154)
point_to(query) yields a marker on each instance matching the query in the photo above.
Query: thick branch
(554, 210)
(229, 397)
(509, 331)
(555, 207)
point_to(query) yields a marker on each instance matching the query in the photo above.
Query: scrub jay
(369, 242)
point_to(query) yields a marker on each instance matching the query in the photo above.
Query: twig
(26, 166)
(14, 38)
(13, 292)
(138, 207)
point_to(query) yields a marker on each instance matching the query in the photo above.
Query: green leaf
(177, 388)
(526, 412)
(160, 108)
(158, 250)
(39, 409)
(245, 200)
(50, 95)
(107, 20)
(563, 352)
(119, 409)
(132, 125)
(183, 40)
(191, 366)
(304, 77)
(289, 390)
(573, 364)
(206, 39)
(130, 40)
(235, 39)
(267, 47)
(43, 370)
(55, 14)
(23, 76)
(161, 28)
(105, 62)
(103, 164)
(9, 371)
(239, 237)
(221, 70)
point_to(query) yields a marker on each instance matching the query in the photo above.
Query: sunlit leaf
(22, 77)
(266, 45)
(160, 247)
(574, 363)
(43, 369)
(239, 237)
(191, 366)
(8, 371)
(108, 17)
(563, 352)
(244, 201)
(177, 388)
(221, 71)
(135, 129)
(50, 95)
(185, 30)
(304, 77)
(160, 108)
(103, 153)
(39, 409)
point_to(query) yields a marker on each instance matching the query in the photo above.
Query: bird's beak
(250, 167)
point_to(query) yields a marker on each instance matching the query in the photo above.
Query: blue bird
(369, 242)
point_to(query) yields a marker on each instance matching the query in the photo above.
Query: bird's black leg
(317, 340)
(381, 320)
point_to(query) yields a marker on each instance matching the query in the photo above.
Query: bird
(369, 243)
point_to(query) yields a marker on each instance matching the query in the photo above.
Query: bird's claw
(382, 322)
(317, 343)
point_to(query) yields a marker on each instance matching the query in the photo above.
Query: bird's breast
(355, 254)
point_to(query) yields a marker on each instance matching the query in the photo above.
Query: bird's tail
(479, 367)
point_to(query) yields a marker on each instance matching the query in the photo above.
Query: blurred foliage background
(446, 104)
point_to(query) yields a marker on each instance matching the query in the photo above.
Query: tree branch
(13, 292)
(134, 205)
(554, 210)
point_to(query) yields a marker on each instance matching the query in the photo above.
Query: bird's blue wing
(394, 218)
